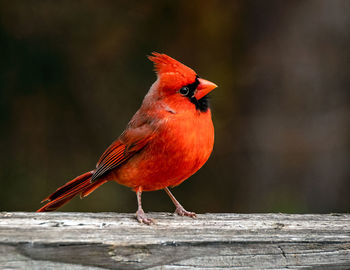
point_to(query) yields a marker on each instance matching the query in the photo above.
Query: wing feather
(128, 144)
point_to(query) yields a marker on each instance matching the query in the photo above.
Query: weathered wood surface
(212, 241)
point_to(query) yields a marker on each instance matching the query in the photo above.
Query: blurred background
(72, 73)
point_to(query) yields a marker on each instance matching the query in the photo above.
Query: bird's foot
(142, 218)
(182, 212)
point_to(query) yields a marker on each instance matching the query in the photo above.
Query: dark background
(72, 73)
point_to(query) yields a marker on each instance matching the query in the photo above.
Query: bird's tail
(81, 184)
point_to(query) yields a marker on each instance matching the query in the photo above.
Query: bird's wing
(127, 145)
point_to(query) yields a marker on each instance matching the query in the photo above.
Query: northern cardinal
(167, 140)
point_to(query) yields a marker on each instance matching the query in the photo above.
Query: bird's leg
(179, 208)
(140, 214)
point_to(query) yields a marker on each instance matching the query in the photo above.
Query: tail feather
(64, 194)
(55, 204)
(68, 186)
(91, 188)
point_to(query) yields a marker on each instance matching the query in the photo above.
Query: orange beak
(204, 88)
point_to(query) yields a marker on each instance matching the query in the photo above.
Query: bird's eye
(184, 91)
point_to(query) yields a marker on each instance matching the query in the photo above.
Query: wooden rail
(211, 241)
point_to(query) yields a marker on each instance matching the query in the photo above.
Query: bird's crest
(165, 64)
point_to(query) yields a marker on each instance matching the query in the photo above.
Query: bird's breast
(183, 143)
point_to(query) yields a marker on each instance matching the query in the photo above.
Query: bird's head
(179, 82)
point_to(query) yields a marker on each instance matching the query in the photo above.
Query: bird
(167, 140)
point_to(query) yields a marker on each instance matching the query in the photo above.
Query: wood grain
(212, 241)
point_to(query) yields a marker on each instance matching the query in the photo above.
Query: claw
(182, 212)
(142, 218)
(179, 208)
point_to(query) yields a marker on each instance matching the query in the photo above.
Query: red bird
(167, 140)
